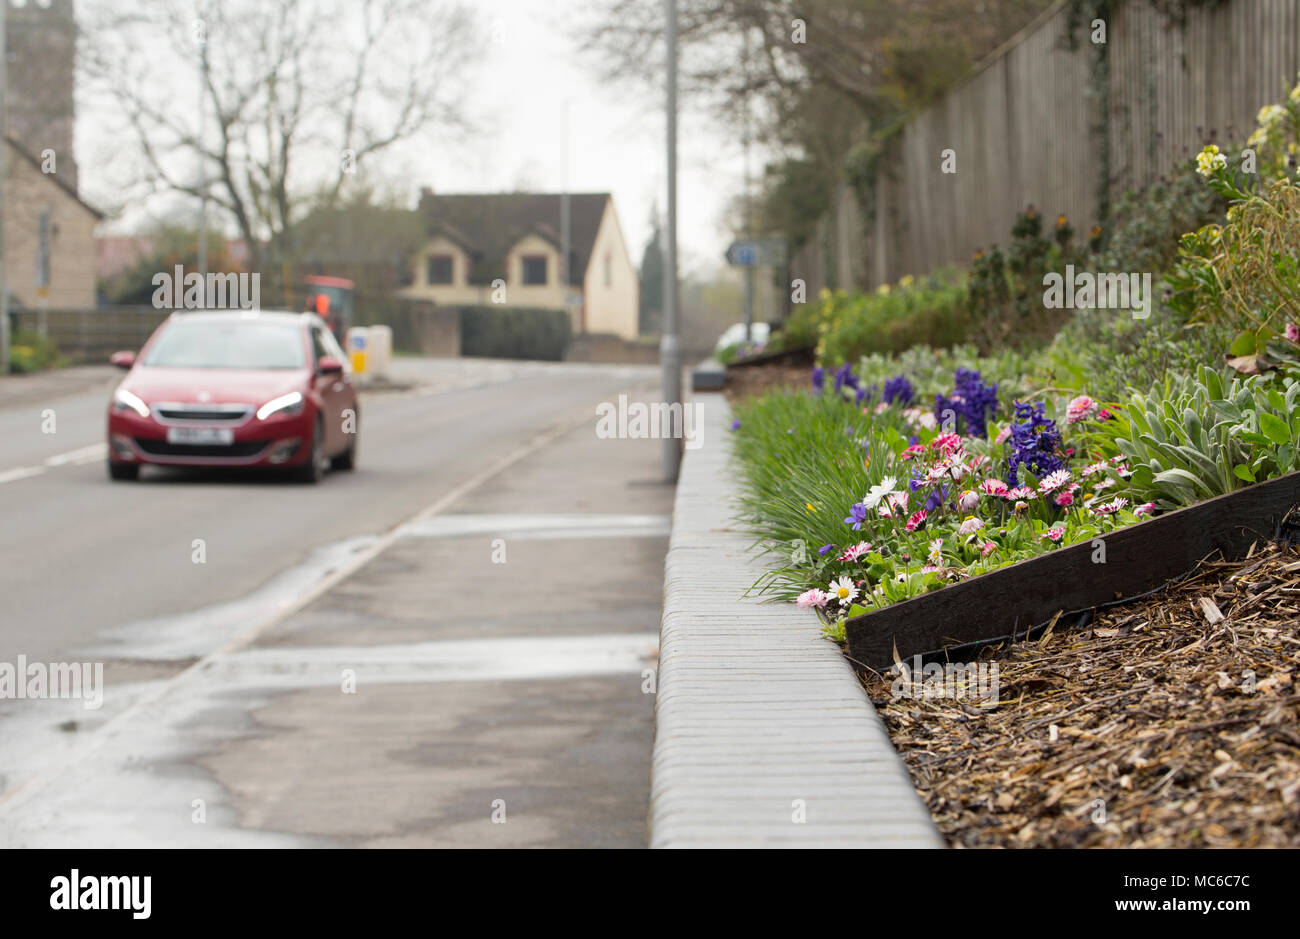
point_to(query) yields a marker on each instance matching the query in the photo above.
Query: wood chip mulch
(1173, 721)
(746, 382)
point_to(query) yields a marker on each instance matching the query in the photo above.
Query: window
(318, 346)
(440, 269)
(534, 269)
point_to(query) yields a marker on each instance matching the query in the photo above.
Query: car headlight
(123, 399)
(285, 404)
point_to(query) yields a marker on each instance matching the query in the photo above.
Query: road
(225, 608)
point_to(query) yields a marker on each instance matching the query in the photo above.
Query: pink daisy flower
(945, 442)
(916, 521)
(1064, 499)
(1110, 508)
(915, 450)
(1054, 481)
(811, 598)
(1055, 533)
(1147, 509)
(994, 487)
(1020, 492)
(1080, 409)
(1092, 469)
(855, 552)
(1292, 332)
(989, 548)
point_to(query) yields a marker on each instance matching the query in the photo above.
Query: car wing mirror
(328, 365)
(123, 360)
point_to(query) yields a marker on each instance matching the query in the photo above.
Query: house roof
(486, 226)
(53, 177)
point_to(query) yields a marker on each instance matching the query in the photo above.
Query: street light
(4, 168)
(670, 353)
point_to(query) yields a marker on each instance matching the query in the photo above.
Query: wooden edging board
(1011, 602)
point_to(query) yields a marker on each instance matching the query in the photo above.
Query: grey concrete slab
(764, 737)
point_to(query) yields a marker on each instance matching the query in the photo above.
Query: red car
(251, 388)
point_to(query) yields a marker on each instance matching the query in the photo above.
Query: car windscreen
(228, 344)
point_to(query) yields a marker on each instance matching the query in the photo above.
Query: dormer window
(439, 269)
(534, 270)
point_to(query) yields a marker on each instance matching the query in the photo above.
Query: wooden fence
(1026, 129)
(89, 336)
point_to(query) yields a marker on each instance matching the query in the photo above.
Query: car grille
(220, 451)
(221, 413)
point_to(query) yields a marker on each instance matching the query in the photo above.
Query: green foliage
(32, 352)
(847, 325)
(1244, 274)
(1192, 438)
(1006, 289)
(514, 332)
(1145, 225)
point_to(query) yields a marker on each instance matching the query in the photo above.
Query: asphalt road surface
(226, 606)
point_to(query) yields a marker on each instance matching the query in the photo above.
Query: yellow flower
(883, 290)
(906, 281)
(810, 507)
(1210, 160)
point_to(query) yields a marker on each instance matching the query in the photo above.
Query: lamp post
(670, 353)
(4, 168)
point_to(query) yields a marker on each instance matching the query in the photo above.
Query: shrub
(890, 320)
(514, 332)
(32, 352)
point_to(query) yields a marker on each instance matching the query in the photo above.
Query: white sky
(616, 141)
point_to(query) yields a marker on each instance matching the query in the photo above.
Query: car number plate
(210, 436)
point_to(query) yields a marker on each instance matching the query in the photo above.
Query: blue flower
(735, 425)
(899, 389)
(824, 548)
(971, 400)
(818, 379)
(857, 515)
(844, 378)
(1034, 443)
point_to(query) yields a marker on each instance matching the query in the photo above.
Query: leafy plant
(1194, 438)
(32, 352)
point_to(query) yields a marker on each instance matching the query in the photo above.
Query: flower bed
(972, 527)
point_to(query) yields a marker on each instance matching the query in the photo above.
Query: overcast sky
(615, 140)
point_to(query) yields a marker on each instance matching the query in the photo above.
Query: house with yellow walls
(505, 248)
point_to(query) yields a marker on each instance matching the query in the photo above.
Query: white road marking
(22, 472)
(78, 457)
(96, 451)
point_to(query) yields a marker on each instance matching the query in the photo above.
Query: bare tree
(877, 57)
(300, 95)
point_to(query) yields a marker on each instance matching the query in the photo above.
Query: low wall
(607, 347)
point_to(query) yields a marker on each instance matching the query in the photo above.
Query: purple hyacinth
(818, 379)
(844, 378)
(1035, 443)
(899, 390)
(971, 400)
